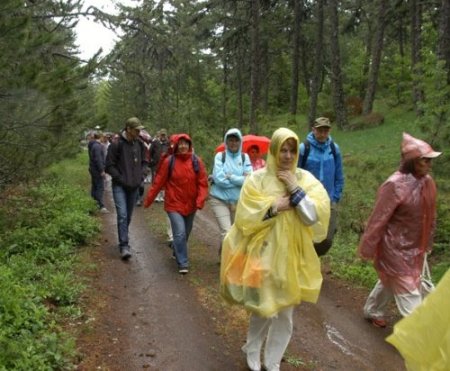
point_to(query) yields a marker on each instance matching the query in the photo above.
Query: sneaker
(139, 203)
(125, 253)
(104, 210)
(378, 322)
(183, 270)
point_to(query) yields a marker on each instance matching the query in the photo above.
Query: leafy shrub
(41, 229)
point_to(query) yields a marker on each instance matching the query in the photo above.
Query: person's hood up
(236, 132)
(175, 138)
(278, 138)
(412, 148)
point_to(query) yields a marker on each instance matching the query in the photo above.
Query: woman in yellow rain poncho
(268, 260)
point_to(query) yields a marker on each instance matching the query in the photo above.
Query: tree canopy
(204, 66)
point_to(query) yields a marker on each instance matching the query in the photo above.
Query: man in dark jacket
(97, 170)
(125, 163)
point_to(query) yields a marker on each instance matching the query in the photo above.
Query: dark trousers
(97, 189)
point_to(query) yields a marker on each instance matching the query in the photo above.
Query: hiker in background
(255, 157)
(183, 175)
(97, 169)
(125, 163)
(159, 148)
(146, 139)
(321, 156)
(230, 169)
(399, 232)
(268, 260)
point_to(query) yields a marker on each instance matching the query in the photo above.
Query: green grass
(370, 156)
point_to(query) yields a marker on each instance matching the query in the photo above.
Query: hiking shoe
(104, 210)
(378, 322)
(125, 253)
(183, 270)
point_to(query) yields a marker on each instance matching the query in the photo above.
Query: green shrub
(40, 231)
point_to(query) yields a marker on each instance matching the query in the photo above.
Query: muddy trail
(142, 314)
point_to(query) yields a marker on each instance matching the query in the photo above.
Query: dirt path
(142, 314)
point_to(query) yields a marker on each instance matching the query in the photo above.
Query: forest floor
(141, 314)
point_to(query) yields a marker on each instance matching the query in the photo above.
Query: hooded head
(175, 139)
(280, 136)
(413, 148)
(234, 132)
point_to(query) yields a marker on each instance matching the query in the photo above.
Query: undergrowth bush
(40, 231)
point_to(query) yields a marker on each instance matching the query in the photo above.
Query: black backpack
(308, 149)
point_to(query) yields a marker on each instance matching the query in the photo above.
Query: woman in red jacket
(183, 176)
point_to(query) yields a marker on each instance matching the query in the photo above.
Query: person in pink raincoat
(400, 231)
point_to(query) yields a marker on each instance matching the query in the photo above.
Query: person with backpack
(183, 175)
(230, 169)
(321, 156)
(126, 162)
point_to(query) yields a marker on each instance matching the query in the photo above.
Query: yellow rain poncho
(268, 265)
(423, 338)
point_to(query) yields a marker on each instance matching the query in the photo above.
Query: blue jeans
(97, 189)
(124, 200)
(181, 229)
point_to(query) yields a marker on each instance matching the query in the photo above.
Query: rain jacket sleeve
(338, 176)
(268, 265)
(202, 184)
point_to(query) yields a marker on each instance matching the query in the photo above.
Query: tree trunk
(224, 94)
(336, 71)
(255, 73)
(295, 57)
(377, 50)
(240, 90)
(416, 47)
(444, 36)
(318, 63)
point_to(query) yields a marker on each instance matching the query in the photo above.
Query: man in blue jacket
(322, 157)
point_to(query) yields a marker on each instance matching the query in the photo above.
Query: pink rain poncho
(268, 265)
(400, 229)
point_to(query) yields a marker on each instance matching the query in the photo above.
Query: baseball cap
(134, 123)
(321, 122)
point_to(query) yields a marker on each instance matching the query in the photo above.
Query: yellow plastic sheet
(423, 338)
(268, 265)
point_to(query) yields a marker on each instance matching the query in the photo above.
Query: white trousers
(278, 330)
(379, 298)
(224, 214)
